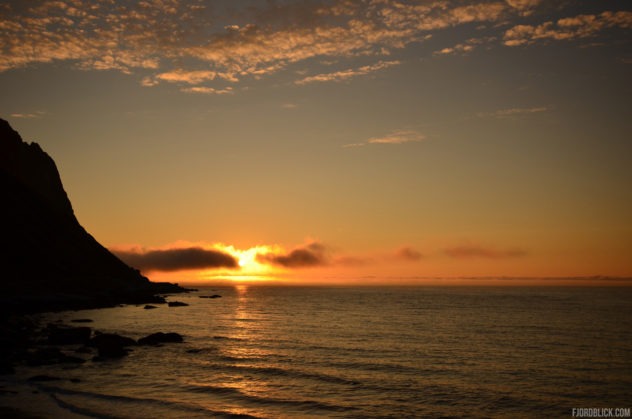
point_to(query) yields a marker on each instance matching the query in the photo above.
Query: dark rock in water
(110, 338)
(111, 353)
(43, 377)
(81, 321)
(160, 337)
(52, 262)
(176, 304)
(149, 307)
(211, 296)
(50, 356)
(111, 345)
(61, 335)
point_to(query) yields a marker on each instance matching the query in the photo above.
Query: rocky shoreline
(25, 341)
(30, 303)
(30, 343)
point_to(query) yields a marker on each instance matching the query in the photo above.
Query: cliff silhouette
(48, 261)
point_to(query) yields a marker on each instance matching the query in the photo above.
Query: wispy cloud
(393, 138)
(347, 74)
(208, 90)
(577, 27)
(475, 251)
(37, 114)
(525, 7)
(94, 35)
(514, 112)
(189, 77)
(353, 261)
(398, 137)
(465, 47)
(408, 253)
(458, 48)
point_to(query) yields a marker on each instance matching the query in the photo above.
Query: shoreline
(27, 350)
(24, 303)
(31, 402)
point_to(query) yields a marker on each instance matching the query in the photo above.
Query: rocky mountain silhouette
(48, 261)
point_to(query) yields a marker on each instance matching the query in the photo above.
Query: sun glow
(249, 267)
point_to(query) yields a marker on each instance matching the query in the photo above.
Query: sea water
(358, 352)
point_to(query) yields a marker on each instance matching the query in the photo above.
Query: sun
(247, 261)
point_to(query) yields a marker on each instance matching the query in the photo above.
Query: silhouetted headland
(49, 261)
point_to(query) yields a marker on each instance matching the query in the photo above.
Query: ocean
(352, 352)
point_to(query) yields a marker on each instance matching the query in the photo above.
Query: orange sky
(315, 263)
(335, 141)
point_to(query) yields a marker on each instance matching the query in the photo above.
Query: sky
(377, 141)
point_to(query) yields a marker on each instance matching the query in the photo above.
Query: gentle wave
(282, 372)
(122, 400)
(239, 395)
(380, 367)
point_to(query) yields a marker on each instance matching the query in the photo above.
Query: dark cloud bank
(317, 254)
(177, 259)
(313, 254)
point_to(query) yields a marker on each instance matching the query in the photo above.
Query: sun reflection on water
(248, 326)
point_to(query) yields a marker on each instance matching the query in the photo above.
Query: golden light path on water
(248, 325)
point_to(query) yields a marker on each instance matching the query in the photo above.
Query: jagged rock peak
(33, 167)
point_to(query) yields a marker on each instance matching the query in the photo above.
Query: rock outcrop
(161, 337)
(49, 261)
(111, 345)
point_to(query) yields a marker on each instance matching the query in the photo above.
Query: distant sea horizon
(417, 281)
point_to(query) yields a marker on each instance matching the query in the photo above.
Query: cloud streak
(514, 112)
(177, 259)
(408, 253)
(466, 47)
(394, 138)
(481, 252)
(347, 74)
(398, 137)
(208, 90)
(38, 114)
